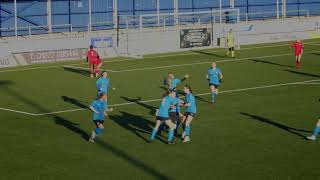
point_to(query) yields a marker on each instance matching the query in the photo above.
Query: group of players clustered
(169, 116)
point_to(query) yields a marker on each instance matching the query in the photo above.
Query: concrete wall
(148, 41)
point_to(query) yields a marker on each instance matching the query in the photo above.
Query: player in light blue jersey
(99, 107)
(173, 82)
(174, 113)
(214, 77)
(103, 83)
(190, 112)
(316, 131)
(162, 115)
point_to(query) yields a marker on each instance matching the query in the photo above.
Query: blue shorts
(163, 118)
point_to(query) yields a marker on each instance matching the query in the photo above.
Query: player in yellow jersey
(230, 44)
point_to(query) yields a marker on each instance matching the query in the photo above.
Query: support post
(90, 17)
(158, 12)
(49, 16)
(176, 11)
(231, 3)
(220, 10)
(15, 19)
(284, 8)
(277, 9)
(115, 14)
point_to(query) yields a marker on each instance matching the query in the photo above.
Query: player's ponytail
(166, 93)
(189, 88)
(169, 79)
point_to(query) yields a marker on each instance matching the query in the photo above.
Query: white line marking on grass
(155, 100)
(206, 62)
(191, 52)
(315, 83)
(58, 112)
(19, 112)
(184, 53)
(85, 69)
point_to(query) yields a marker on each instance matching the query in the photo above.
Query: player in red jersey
(98, 68)
(298, 50)
(93, 60)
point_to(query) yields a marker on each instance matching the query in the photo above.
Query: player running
(162, 115)
(298, 50)
(99, 107)
(316, 131)
(93, 59)
(99, 65)
(215, 78)
(190, 112)
(173, 82)
(230, 44)
(103, 83)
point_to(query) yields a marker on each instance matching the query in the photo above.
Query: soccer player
(230, 44)
(298, 50)
(174, 113)
(190, 112)
(93, 60)
(103, 83)
(162, 115)
(316, 131)
(173, 82)
(99, 107)
(215, 78)
(99, 65)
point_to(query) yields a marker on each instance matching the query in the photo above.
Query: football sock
(98, 131)
(232, 53)
(316, 131)
(93, 135)
(153, 134)
(187, 130)
(170, 135)
(213, 96)
(177, 128)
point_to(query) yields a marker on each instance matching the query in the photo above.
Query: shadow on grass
(203, 99)
(271, 63)
(136, 124)
(80, 71)
(317, 54)
(76, 102)
(139, 102)
(6, 83)
(283, 127)
(61, 121)
(303, 73)
(136, 162)
(208, 53)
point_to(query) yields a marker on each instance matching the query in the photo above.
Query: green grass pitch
(255, 131)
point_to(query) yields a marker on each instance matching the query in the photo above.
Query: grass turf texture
(250, 134)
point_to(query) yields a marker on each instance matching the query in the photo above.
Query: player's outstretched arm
(185, 77)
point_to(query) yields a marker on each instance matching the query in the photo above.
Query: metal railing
(152, 20)
(273, 14)
(28, 30)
